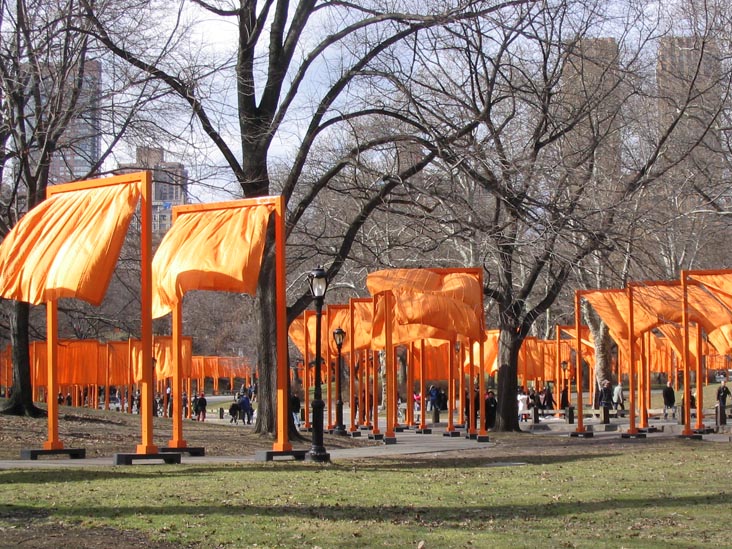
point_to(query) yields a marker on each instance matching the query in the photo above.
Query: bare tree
(52, 107)
(307, 62)
(555, 149)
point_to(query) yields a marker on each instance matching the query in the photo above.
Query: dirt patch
(39, 535)
(104, 433)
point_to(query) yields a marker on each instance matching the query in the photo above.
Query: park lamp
(339, 335)
(318, 281)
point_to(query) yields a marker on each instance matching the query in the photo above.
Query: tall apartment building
(687, 76)
(169, 184)
(79, 150)
(592, 98)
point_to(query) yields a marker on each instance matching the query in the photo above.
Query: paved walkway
(408, 443)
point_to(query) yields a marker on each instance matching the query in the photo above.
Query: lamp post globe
(339, 335)
(318, 281)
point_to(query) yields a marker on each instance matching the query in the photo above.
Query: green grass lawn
(648, 493)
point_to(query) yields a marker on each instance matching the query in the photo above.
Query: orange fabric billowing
(721, 339)
(297, 334)
(210, 250)
(614, 309)
(675, 339)
(437, 311)
(402, 333)
(68, 245)
(665, 302)
(460, 286)
(429, 304)
(720, 283)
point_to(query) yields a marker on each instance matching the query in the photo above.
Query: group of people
(241, 409)
(491, 408)
(542, 400)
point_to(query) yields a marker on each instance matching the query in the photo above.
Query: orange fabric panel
(209, 250)
(719, 283)
(163, 354)
(675, 339)
(39, 363)
(437, 311)
(613, 307)
(363, 316)
(436, 359)
(337, 316)
(78, 362)
(211, 367)
(229, 366)
(586, 335)
(68, 245)
(530, 359)
(136, 360)
(197, 367)
(119, 363)
(490, 352)
(296, 331)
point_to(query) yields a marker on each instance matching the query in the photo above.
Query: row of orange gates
(90, 365)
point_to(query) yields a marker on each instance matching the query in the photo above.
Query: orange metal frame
(144, 179)
(282, 443)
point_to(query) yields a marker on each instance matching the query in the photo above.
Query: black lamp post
(318, 286)
(338, 335)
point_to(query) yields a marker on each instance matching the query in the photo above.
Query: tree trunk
(508, 351)
(21, 398)
(267, 341)
(603, 343)
(603, 363)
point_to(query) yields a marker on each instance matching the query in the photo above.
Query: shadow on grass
(446, 516)
(159, 471)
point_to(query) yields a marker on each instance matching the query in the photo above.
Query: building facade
(169, 185)
(79, 150)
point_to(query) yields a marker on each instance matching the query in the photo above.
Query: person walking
(606, 395)
(619, 397)
(722, 395)
(201, 407)
(669, 401)
(523, 404)
(245, 405)
(491, 407)
(549, 402)
(234, 411)
(295, 409)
